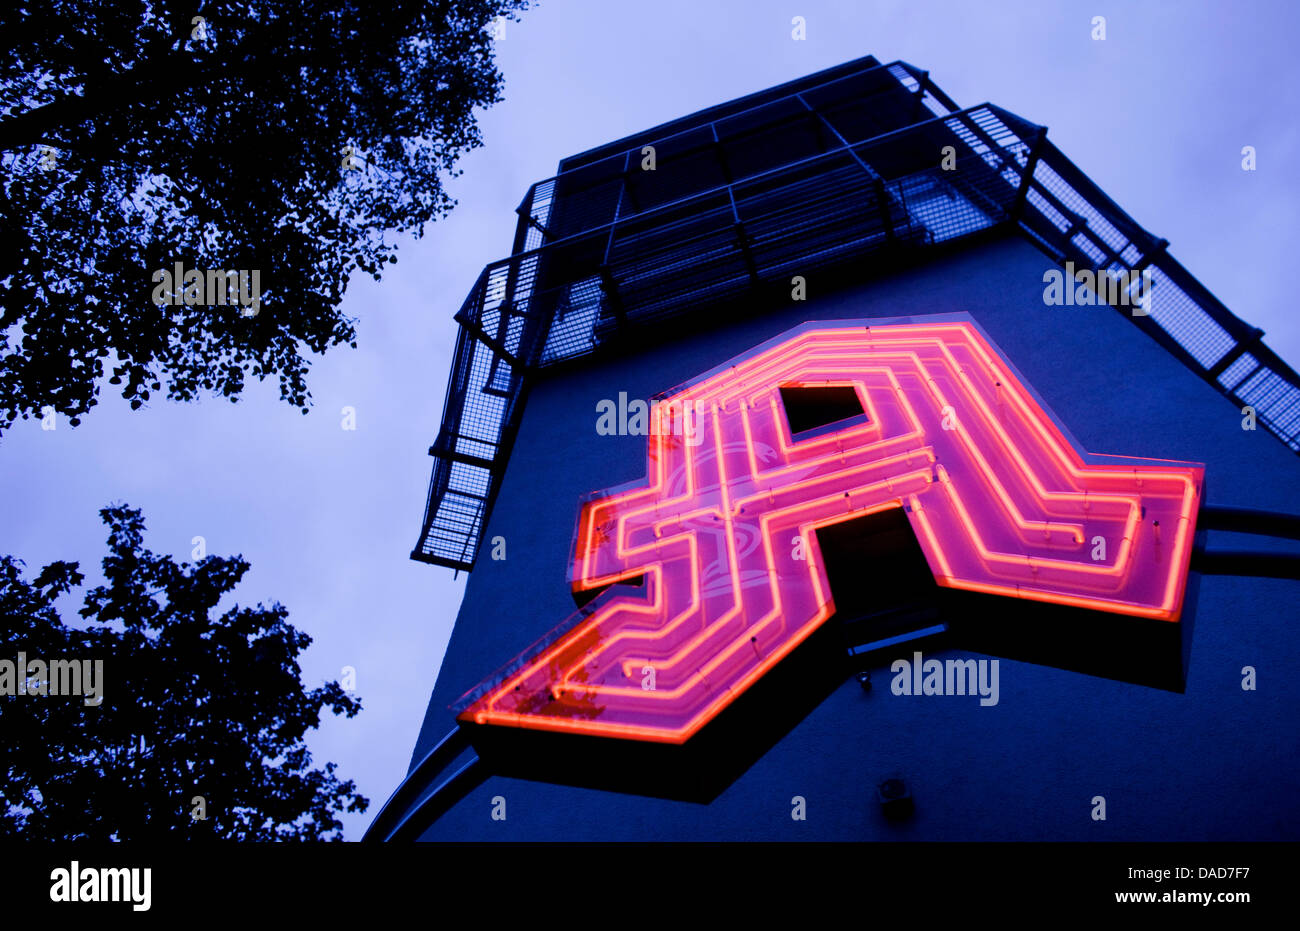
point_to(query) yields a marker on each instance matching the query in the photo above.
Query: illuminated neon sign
(722, 531)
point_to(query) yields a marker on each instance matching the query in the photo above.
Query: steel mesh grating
(604, 248)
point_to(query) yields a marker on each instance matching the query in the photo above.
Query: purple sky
(1157, 115)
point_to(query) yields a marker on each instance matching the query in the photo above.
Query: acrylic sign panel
(722, 531)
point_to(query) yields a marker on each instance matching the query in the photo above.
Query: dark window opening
(815, 410)
(880, 582)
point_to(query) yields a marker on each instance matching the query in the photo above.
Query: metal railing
(632, 263)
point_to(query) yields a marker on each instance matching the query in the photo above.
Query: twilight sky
(1157, 115)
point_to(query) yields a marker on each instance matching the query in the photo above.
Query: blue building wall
(1215, 762)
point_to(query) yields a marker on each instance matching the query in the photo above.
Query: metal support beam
(878, 182)
(1236, 352)
(927, 85)
(922, 85)
(525, 212)
(445, 452)
(610, 289)
(1027, 174)
(618, 209)
(742, 238)
(469, 323)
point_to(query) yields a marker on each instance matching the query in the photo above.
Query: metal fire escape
(842, 173)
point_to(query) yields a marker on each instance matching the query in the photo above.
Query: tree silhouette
(292, 138)
(193, 706)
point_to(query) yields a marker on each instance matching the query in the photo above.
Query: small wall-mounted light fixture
(895, 799)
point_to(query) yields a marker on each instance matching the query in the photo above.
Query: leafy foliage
(133, 137)
(193, 705)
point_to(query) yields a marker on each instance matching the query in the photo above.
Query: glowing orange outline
(1011, 461)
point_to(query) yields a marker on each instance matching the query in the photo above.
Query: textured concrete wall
(1215, 762)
